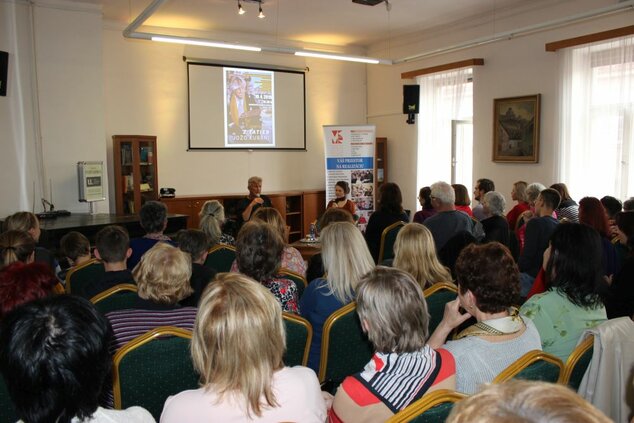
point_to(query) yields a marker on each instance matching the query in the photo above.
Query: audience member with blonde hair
(162, 278)
(393, 312)
(518, 193)
(346, 259)
(259, 250)
(415, 253)
(16, 246)
(526, 402)
(212, 219)
(237, 347)
(29, 223)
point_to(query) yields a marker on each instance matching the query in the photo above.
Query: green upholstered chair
(152, 367)
(79, 277)
(433, 407)
(299, 280)
(220, 257)
(388, 238)
(299, 334)
(534, 365)
(7, 412)
(436, 297)
(578, 363)
(119, 297)
(345, 349)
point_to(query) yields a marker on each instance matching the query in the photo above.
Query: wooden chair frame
(427, 402)
(526, 360)
(286, 272)
(136, 343)
(574, 358)
(384, 234)
(309, 328)
(75, 269)
(221, 247)
(325, 336)
(449, 286)
(111, 291)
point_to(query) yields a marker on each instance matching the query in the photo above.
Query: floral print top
(286, 293)
(291, 260)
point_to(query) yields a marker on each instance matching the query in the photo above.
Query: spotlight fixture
(241, 11)
(261, 14)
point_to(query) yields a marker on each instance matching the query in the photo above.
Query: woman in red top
(463, 201)
(342, 189)
(518, 194)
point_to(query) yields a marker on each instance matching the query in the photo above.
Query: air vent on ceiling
(368, 2)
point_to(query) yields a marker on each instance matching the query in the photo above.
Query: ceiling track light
(241, 10)
(261, 14)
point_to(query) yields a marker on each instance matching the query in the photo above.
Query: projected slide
(249, 120)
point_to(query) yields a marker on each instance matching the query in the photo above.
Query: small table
(307, 249)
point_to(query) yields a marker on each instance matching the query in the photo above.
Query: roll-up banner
(350, 157)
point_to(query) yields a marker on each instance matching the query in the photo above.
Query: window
(597, 115)
(445, 131)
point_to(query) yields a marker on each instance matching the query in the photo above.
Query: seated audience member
(488, 288)
(518, 193)
(462, 201)
(495, 226)
(29, 223)
(527, 402)
(574, 276)
(162, 278)
(389, 211)
(248, 205)
(237, 348)
(54, 358)
(628, 205)
(393, 312)
(568, 208)
(532, 192)
(315, 267)
(482, 186)
(212, 220)
(620, 297)
(415, 253)
(346, 260)
(194, 242)
(447, 222)
(21, 283)
(538, 232)
(592, 213)
(342, 189)
(291, 258)
(259, 249)
(112, 247)
(76, 248)
(153, 218)
(16, 246)
(424, 198)
(612, 206)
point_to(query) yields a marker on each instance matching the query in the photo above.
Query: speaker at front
(4, 72)
(411, 97)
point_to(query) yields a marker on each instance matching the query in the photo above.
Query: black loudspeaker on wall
(411, 97)
(4, 72)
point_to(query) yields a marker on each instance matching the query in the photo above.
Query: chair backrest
(78, 277)
(220, 257)
(152, 367)
(345, 349)
(534, 365)
(388, 238)
(7, 412)
(119, 297)
(431, 408)
(299, 334)
(578, 363)
(436, 297)
(299, 280)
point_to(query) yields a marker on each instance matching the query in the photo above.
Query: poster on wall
(91, 183)
(350, 158)
(249, 114)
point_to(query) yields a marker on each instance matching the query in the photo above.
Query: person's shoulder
(299, 373)
(133, 414)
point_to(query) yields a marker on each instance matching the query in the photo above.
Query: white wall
(519, 66)
(146, 94)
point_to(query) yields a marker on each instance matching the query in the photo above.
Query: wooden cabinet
(135, 172)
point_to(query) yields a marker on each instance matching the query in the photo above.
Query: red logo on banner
(336, 137)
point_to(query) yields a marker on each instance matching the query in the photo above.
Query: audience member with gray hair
(496, 228)
(447, 222)
(532, 192)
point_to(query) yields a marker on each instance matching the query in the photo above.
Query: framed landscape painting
(516, 129)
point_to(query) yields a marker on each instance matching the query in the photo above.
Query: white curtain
(444, 97)
(596, 149)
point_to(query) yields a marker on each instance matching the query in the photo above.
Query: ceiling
(338, 23)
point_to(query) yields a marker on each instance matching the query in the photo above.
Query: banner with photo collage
(350, 157)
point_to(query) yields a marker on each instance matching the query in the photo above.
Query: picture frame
(516, 125)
